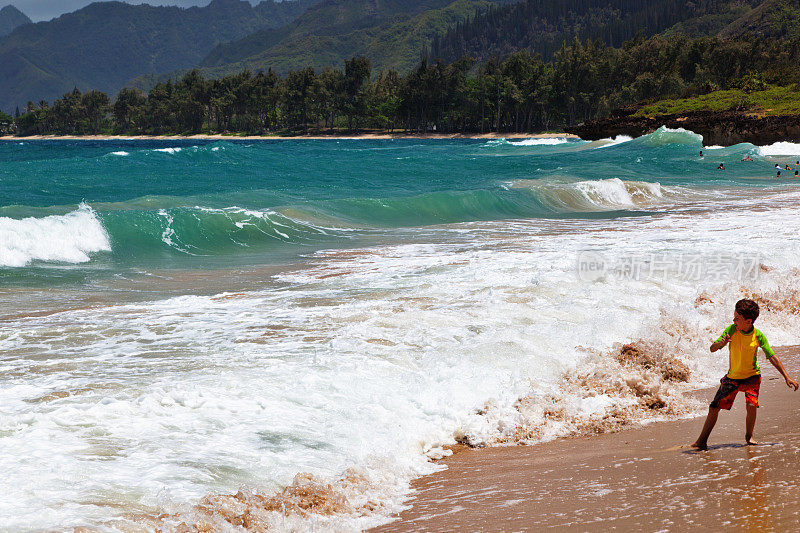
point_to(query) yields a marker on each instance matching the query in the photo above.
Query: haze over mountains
(108, 45)
(105, 45)
(39, 10)
(390, 33)
(10, 19)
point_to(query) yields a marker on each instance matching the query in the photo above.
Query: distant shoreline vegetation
(520, 93)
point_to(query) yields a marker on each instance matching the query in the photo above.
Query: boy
(743, 372)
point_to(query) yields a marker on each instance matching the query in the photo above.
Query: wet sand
(644, 479)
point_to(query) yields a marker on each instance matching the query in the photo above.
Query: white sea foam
(168, 150)
(780, 148)
(69, 238)
(540, 141)
(614, 192)
(619, 139)
(598, 195)
(121, 153)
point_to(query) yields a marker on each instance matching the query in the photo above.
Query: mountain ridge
(103, 45)
(392, 34)
(11, 18)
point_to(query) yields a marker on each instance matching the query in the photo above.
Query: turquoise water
(191, 318)
(197, 204)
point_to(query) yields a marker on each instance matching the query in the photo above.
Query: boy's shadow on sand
(695, 451)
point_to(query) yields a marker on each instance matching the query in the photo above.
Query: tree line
(518, 93)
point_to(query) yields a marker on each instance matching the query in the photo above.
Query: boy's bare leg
(750, 423)
(702, 441)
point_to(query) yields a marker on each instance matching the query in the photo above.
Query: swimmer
(779, 174)
(721, 166)
(748, 158)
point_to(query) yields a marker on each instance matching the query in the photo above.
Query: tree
(127, 107)
(356, 75)
(95, 107)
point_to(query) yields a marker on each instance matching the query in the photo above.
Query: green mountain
(105, 44)
(772, 19)
(10, 19)
(543, 26)
(390, 33)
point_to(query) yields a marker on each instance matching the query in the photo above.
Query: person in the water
(743, 341)
(721, 166)
(747, 158)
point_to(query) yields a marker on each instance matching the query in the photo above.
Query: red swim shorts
(729, 387)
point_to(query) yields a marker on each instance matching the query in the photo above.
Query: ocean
(185, 320)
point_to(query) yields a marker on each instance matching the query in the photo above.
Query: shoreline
(643, 478)
(218, 137)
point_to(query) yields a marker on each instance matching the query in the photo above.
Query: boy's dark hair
(747, 308)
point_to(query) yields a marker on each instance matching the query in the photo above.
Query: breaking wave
(596, 195)
(70, 238)
(780, 148)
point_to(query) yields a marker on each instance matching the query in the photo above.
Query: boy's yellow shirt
(743, 348)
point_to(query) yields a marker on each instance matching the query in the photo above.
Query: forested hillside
(391, 34)
(771, 19)
(11, 18)
(542, 26)
(104, 45)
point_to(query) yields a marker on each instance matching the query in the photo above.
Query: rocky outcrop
(717, 128)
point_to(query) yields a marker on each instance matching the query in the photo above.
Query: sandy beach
(644, 479)
(229, 137)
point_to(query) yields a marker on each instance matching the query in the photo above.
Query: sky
(39, 10)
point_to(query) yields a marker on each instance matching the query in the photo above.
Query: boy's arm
(777, 364)
(772, 358)
(723, 339)
(721, 342)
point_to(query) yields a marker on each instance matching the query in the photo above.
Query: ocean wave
(69, 238)
(619, 139)
(138, 229)
(533, 141)
(595, 195)
(671, 136)
(202, 230)
(541, 141)
(170, 150)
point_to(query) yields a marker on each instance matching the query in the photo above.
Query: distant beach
(224, 137)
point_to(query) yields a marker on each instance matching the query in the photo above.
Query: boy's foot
(751, 442)
(699, 445)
